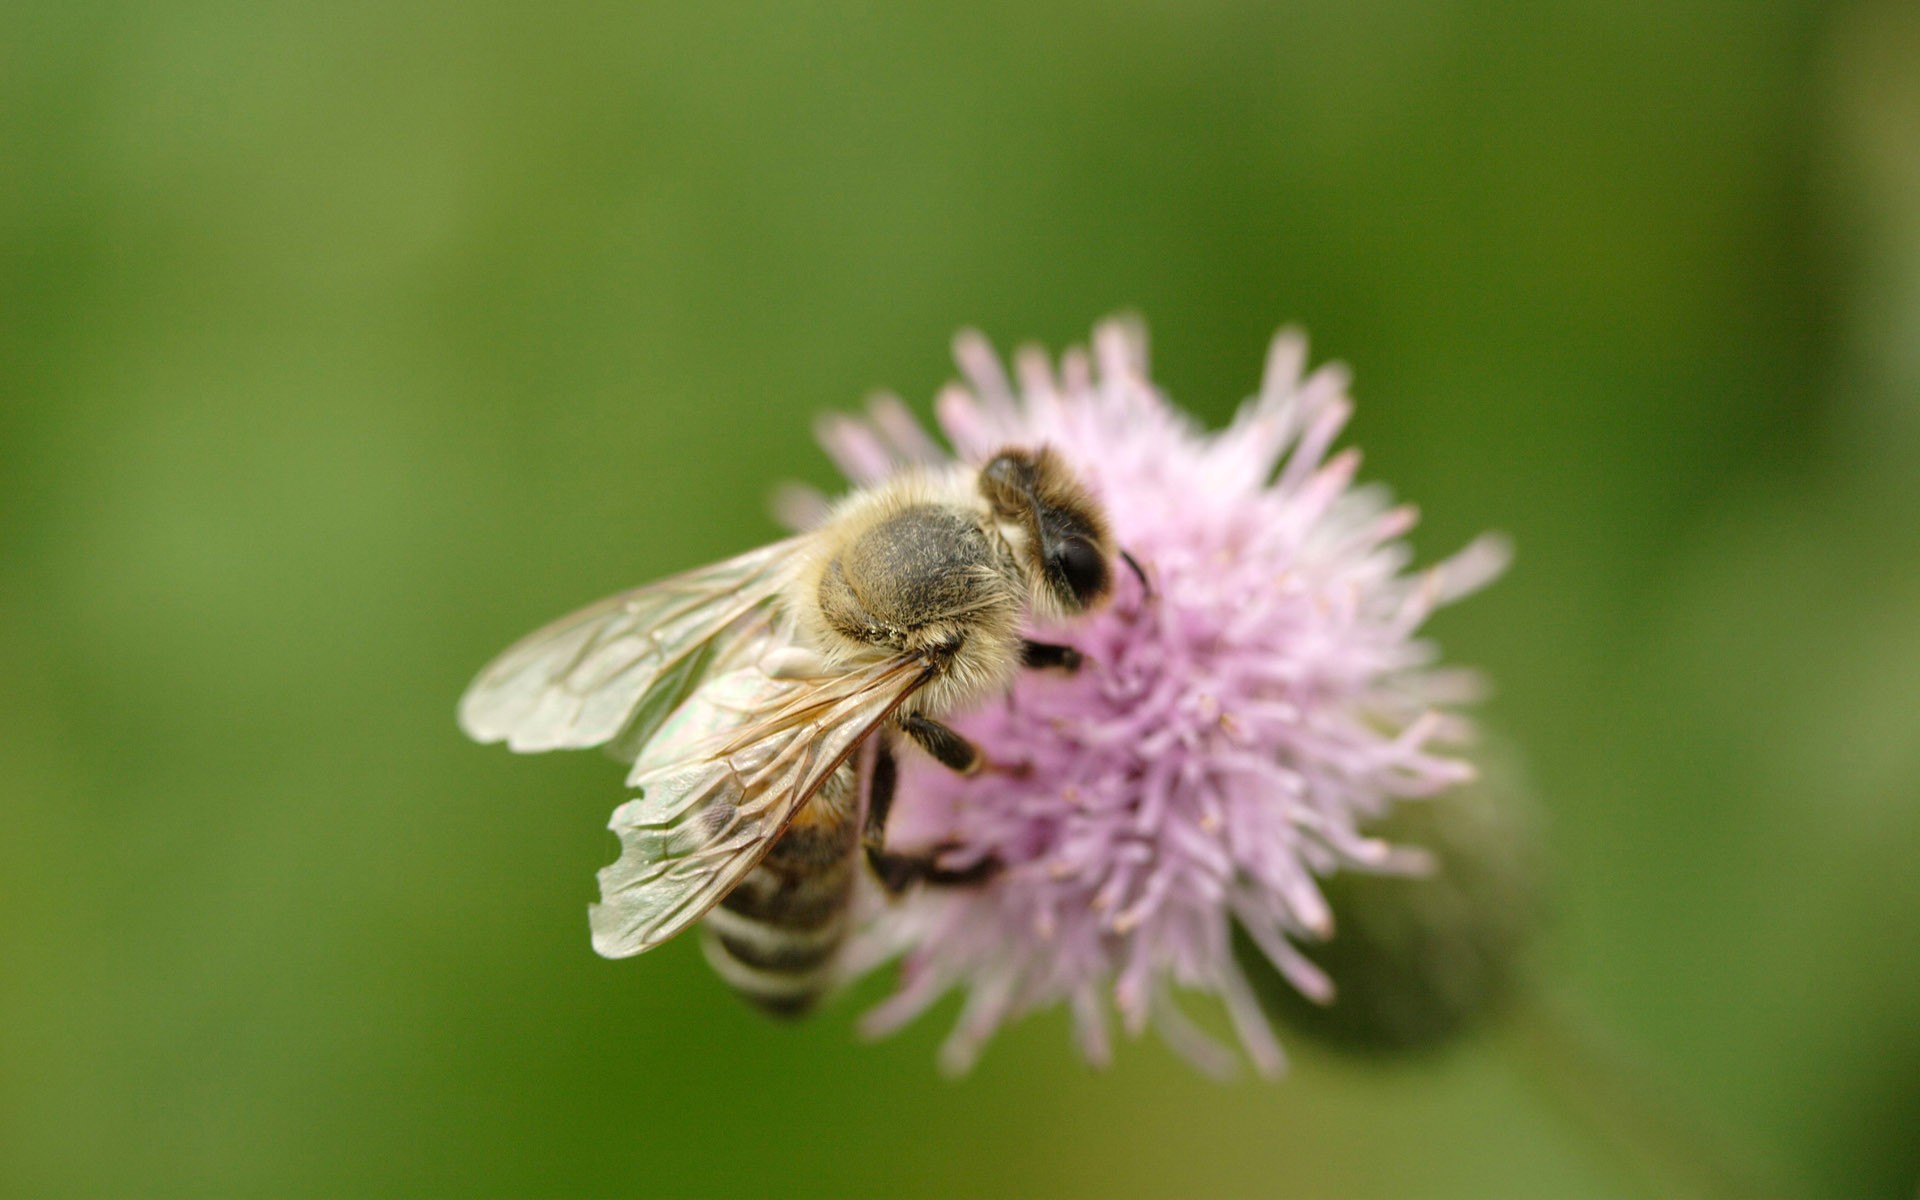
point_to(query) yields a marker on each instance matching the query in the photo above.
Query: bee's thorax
(920, 569)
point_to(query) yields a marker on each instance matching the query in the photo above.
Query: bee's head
(1068, 547)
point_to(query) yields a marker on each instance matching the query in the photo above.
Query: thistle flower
(1230, 732)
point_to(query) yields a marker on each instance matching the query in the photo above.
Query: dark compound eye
(1079, 565)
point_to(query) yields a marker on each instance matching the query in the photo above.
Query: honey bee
(761, 700)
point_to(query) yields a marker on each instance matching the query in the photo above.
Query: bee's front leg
(897, 872)
(949, 747)
(953, 750)
(1044, 655)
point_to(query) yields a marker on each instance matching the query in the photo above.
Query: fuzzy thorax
(920, 568)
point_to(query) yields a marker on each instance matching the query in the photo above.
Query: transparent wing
(587, 678)
(720, 782)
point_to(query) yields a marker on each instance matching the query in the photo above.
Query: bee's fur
(916, 567)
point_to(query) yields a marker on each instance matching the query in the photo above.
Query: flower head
(1233, 727)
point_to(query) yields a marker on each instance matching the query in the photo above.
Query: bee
(761, 700)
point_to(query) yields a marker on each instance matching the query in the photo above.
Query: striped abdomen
(776, 935)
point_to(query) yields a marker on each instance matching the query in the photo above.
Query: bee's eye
(1077, 563)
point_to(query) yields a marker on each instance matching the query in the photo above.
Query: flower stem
(1598, 1084)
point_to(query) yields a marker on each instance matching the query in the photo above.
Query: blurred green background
(341, 344)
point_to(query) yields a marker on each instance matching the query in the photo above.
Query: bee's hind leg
(898, 872)
(895, 871)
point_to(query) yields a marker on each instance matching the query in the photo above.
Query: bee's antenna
(1138, 573)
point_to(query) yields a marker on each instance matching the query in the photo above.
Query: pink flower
(1228, 736)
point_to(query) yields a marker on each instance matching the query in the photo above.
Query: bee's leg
(880, 787)
(1043, 655)
(952, 749)
(897, 872)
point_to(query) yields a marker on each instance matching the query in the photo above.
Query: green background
(341, 344)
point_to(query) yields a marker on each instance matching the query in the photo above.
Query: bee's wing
(582, 680)
(720, 782)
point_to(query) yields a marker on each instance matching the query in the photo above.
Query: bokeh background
(340, 344)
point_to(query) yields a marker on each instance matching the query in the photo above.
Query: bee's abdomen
(776, 936)
(783, 968)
